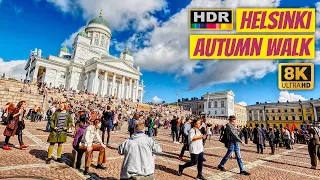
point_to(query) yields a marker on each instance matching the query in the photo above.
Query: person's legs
(79, 158)
(59, 151)
(173, 135)
(238, 155)
(271, 146)
(102, 156)
(103, 132)
(194, 161)
(19, 132)
(108, 135)
(6, 141)
(183, 150)
(258, 149)
(228, 154)
(261, 148)
(246, 140)
(312, 154)
(177, 135)
(200, 163)
(50, 151)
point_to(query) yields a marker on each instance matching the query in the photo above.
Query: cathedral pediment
(120, 64)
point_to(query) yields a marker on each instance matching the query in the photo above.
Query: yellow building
(283, 114)
(241, 114)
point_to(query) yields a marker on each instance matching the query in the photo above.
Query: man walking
(186, 129)
(233, 141)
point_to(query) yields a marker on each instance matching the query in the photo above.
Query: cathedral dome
(83, 33)
(100, 20)
(127, 51)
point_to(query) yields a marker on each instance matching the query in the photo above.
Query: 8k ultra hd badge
(296, 76)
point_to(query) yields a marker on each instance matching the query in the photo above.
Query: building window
(309, 118)
(300, 117)
(273, 118)
(308, 109)
(279, 110)
(222, 103)
(250, 118)
(293, 118)
(63, 76)
(103, 41)
(285, 110)
(209, 112)
(215, 104)
(267, 111)
(107, 43)
(292, 110)
(209, 104)
(268, 118)
(215, 112)
(299, 109)
(272, 110)
(222, 112)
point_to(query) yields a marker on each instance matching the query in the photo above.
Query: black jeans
(131, 131)
(314, 153)
(174, 134)
(108, 135)
(195, 159)
(259, 147)
(185, 145)
(271, 143)
(246, 139)
(287, 143)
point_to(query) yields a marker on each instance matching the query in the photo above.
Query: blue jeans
(150, 132)
(233, 146)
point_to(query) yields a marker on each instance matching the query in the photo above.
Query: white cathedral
(89, 66)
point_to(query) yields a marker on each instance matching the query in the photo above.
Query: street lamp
(208, 94)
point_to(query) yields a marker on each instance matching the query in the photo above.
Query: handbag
(11, 125)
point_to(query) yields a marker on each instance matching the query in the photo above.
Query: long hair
(20, 104)
(10, 107)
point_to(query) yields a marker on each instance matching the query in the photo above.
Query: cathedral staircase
(10, 92)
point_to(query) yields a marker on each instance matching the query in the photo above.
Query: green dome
(127, 52)
(65, 49)
(100, 20)
(83, 34)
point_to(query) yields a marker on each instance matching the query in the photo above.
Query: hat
(232, 118)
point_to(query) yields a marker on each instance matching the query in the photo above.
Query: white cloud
(120, 15)
(13, 68)
(167, 49)
(242, 103)
(63, 5)
(156, 100)
(285, 96)
(69, 41)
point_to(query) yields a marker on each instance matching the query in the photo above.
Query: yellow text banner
(275, 20)
(234, 46)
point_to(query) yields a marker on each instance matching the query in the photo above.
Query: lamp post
(208, 94)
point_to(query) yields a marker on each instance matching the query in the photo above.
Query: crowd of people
(91, 122)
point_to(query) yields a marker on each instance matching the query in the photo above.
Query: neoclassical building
(219, 104)
(89, 66)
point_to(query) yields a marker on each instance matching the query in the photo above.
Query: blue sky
(156, 35)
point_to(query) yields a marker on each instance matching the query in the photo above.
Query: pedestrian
(174, 129)
(15, 125)
(313, 146)
(271, 138)
(286, 137)
(245, 132)
(232, 142)
(138, 151)
(60, 122)
(77, 139)
(195, 138)
(186, 129)
(107, 123)
(91, 141)
(132, 122)
(277, 137)
(258, 138)
(210, 131)
(49, 114)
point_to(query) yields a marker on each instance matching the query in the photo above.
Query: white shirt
(89, 136)
(195, 147)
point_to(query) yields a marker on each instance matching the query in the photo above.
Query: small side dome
(83, 33)
(65, 49)
(127, 52)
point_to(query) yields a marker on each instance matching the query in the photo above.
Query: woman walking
(195, 149)
(15, 125)
(59, 124)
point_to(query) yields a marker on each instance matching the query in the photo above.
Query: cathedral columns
(136, 93)
(95, 82)
(105, 87)
(130, 89)
(35, 74)
(141, 96)
(122, 87)
(113, 84)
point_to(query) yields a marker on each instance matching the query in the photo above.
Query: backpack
(224, 138)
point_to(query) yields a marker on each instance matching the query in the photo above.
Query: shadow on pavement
(40, 154)
(95, 176)
(171, 171)
(26, 177)
(285, 163)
